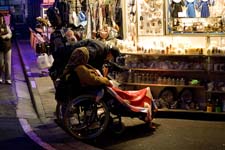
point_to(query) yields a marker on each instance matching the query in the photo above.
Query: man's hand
(111, 83)
(105, 71)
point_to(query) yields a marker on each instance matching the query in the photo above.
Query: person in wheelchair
(87, 74)
(80, 76)
(89, 80)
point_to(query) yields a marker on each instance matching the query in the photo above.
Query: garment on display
(204, 7)
(191, 5)
(176, 7)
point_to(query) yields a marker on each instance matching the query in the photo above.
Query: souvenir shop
(175, 47)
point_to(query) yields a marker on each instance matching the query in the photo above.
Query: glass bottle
(173, 81)
(223, 105)
(164, 80)
(135, 77)
(182, 82)
(177, 81)
(159, 80)
(217, 105)
(169, 81)
(130, 80)
(209, 106)
(142, 78)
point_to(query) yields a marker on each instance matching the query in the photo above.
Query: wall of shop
(164, 43)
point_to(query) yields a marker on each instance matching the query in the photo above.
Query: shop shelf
(216, 92)
(189, 111)
(161, 85)
(140, 53)
(166, 70)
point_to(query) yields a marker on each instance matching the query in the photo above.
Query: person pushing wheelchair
(88, 79)
(99, 54)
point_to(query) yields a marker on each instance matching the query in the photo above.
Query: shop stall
(175, 47)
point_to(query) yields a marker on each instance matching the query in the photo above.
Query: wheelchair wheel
(85, 118)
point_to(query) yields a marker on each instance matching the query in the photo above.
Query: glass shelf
(189, 111)
(216, 92)
(164, 70)
(161, 85)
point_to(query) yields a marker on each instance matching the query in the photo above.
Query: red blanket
(138, 101)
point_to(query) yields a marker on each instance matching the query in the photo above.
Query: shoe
(152, 126)
(8, 82)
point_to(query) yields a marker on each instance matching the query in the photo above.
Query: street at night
(112, 75)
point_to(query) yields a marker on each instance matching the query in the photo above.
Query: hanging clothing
(64, 10)
(191, 9)
(204, 5)
(118, 17)
(176, 7)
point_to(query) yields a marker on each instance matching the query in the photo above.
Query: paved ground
(42, 96)
(11, 106)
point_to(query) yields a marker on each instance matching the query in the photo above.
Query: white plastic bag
(51, 59)
(44, 61)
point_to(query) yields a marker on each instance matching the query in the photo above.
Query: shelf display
(175, 47)
(186, 79)
(193, 74)
(160, 72)
(150, 17)
(131, 23)
(179, 52)
(157, 24)
(195, 16)
(156, 32)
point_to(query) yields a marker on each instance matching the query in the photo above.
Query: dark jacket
(61, 57)
(97, 51)
(97, 54)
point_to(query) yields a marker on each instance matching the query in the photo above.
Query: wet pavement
(27, 110)
(44, 129)
(171, 134)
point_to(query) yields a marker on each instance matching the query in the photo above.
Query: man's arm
(8, 35)
(88, 78)
(82, 43)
